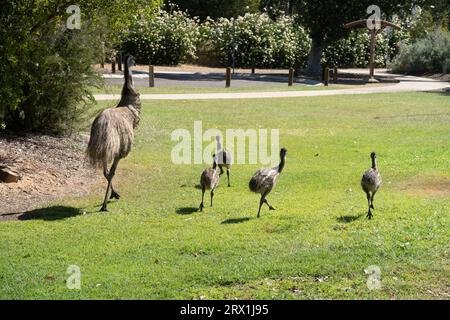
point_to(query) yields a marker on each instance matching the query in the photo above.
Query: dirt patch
(428, 187)
(51, 168)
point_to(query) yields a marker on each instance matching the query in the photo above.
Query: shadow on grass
(348, 219)
(186, 210)
(235, 220)
(47, 214)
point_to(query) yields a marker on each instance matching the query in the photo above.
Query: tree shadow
(186, 210)
(348, 219)
(48, 214)
(235, 220)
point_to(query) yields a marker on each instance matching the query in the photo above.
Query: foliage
(166, 38)
(324, 19)
(430, 54)
(216, 8)
(46, 68)
(354, 50)
(255, 40)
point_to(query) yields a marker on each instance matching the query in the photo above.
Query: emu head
(130, 61)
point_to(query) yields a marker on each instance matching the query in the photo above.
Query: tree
(216, 8)
(46, 66)
(325, 19)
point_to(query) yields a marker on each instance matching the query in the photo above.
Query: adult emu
(371, 182)
(112, 132)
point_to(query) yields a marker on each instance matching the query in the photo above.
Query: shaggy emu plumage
(224, 159)
(112, 132)
(209, 180)
(264, 180)
(371, 182)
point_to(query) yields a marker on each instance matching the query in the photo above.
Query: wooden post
(291, 77)
(253, 70)
(119, 61)
(228, 79)
(373, 34)
(335, 75)
(102, 62)
(113, 64)
(326, 76)
(151, 76)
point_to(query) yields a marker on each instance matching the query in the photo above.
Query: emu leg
(263, 200)
(212, 196)
(371, 199)
(369, 213)
(260, 205)
(268, 204)
(114, 194)
(228, 176)
(111, 174)
(203, 196)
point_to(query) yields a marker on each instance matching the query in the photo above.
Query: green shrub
(430, 54)
(255, 40)
(165, 39)
(46, 76)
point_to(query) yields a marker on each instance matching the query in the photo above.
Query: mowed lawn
(316, 245)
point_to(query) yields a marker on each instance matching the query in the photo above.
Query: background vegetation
(47, 73)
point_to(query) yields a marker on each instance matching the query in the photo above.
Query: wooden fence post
(291, 77)
(228, 79)
(102, 62)
(113, 64)
(119, 61)
(335, 74)
(151, 76)
(326, 76)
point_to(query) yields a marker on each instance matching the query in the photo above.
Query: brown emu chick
(371, 182)
(224, 159)
(264, 180)
(209, 180)
(112, 133)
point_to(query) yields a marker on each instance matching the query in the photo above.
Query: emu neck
(281, 165)
(374, 163)
(219, 145)
(129, 95)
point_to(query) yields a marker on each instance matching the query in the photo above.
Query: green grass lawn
(116, 89)
(316, 245)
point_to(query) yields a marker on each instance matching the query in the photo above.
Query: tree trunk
(315, 55)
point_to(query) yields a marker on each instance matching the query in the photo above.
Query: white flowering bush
(164, 39)
(255, 40)
(354, 50)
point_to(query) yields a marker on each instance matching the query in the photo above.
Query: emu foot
(201, 207)
(114, 195)
(369, 215)
(271, 208)
(103, 209)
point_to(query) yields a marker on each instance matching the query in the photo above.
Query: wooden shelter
(377, 25)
